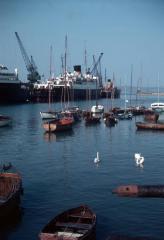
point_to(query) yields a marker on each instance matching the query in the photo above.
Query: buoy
(140, 191)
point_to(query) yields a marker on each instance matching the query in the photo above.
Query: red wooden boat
(150, 126)
(57, 125)
(74, 224)
(10, 191)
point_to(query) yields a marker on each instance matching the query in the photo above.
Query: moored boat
(158, 106)
(75, 112)
(92, 118)
(125, 116)
(150, 126)
(57, 125)
(97, 109)
(151, 116)
(48, 115)
(73, 224)
(5, 120)
(10, 190)
(110, 119)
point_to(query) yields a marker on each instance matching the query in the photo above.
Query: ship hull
(111, 94)
(61, 94)
(13, 93)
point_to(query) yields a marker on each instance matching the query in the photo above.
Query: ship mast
(85, 60)
(49, 84)
(131, 80)
(65, 73)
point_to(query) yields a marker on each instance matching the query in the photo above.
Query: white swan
(137, 155)
(97, 159)
(140, 161)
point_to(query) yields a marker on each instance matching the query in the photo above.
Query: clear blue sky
(126, 31)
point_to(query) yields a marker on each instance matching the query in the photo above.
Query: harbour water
(59, 172)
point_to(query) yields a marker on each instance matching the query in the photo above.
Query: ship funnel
(77, 68)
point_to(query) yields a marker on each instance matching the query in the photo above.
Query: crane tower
(33, 75)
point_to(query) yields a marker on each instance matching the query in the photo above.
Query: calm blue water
(59, 173)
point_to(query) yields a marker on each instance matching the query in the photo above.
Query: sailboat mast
(94, 62)
(131, 80)
(65, 68)
(158, 87)
(85, 60)
(49, 85)
(112, 92)
(125, 99)
(50, 61)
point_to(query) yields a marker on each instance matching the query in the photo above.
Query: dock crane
(33, 75)
(95, 68)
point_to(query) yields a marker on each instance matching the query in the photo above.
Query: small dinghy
(73, 224)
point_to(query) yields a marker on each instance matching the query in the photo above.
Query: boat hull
(41, 95)
(58, 125)
(13, 93)
(10, 191)
(111, 94)
(150, 126)
(74, 224)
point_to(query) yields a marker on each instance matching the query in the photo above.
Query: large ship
(11, 88)
(69, 87)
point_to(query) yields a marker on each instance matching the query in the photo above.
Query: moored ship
(110, 91)
(11, 88)
(71, 86)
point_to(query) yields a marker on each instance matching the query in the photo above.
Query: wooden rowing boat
(10, 191)
(150, 126)
(73, 224)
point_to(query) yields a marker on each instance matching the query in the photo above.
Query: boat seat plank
(74, 225)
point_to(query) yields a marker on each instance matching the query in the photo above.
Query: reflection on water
(53, 137)
(10, 223)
